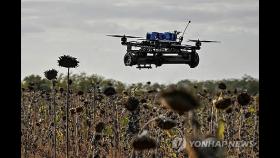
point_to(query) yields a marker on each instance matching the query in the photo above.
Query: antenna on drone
(181, 37)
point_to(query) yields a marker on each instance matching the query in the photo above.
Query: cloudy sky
(51, 28)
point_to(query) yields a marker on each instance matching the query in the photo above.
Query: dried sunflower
(68, 61)
(109, 91)
(244, 98)
(144, 142)
(178, 99)
(222, 86)
(132, 104)
(80, 93)
(247, 115)
(72, 111)
(166, 123)
(51, 74)
(79, 109)
(99, 127)
(229, 110)
(61, 90)
(223, 103)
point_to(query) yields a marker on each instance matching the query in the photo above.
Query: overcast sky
(51, 28)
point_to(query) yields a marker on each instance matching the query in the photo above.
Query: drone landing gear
(144, 66)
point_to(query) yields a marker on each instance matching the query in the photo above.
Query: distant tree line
(84, 82)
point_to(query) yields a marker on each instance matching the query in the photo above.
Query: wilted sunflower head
(38, 123)
(229, 110)
(68, 61)
(166, 123)
(99, 127)
(79, 109)
(72, 111)
(102, 111)
(178, 99)
(223, 103)
(132, 104)
(50, 74)
(61, 90)
(244, 98)
(222, 86)
(109, 91)
(144, 142)
(97, 137)
(247, 115)
(80, 93)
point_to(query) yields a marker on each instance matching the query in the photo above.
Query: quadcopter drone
(160, 48)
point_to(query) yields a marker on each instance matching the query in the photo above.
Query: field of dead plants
(104, 121)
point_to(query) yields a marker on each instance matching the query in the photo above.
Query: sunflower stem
(67, 109)
(211, 119)
(54, 116)
(93, 117)
(146, 124)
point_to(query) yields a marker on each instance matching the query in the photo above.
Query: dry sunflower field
(106, 121)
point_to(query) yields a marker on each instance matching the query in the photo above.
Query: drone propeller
(141, 39)
(124, 36)
(202, 41)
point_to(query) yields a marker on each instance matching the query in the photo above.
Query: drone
(160, 48)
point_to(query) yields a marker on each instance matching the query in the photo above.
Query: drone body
(160, 48)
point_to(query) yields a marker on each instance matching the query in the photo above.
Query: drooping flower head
(144, 142)
(109, 91)
(223, 103)
(222, 86)
(51, 74)
(244, 98)
(132, 104)
(166, 123)
(68, 61)
(80, 93)
(99, 127)
(178, 99)
(79, 109)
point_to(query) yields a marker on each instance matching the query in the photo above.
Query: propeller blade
(191, 40)
(210, 41)
(141, 39)
(115, 35)
(124, 36)
(133, 37)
